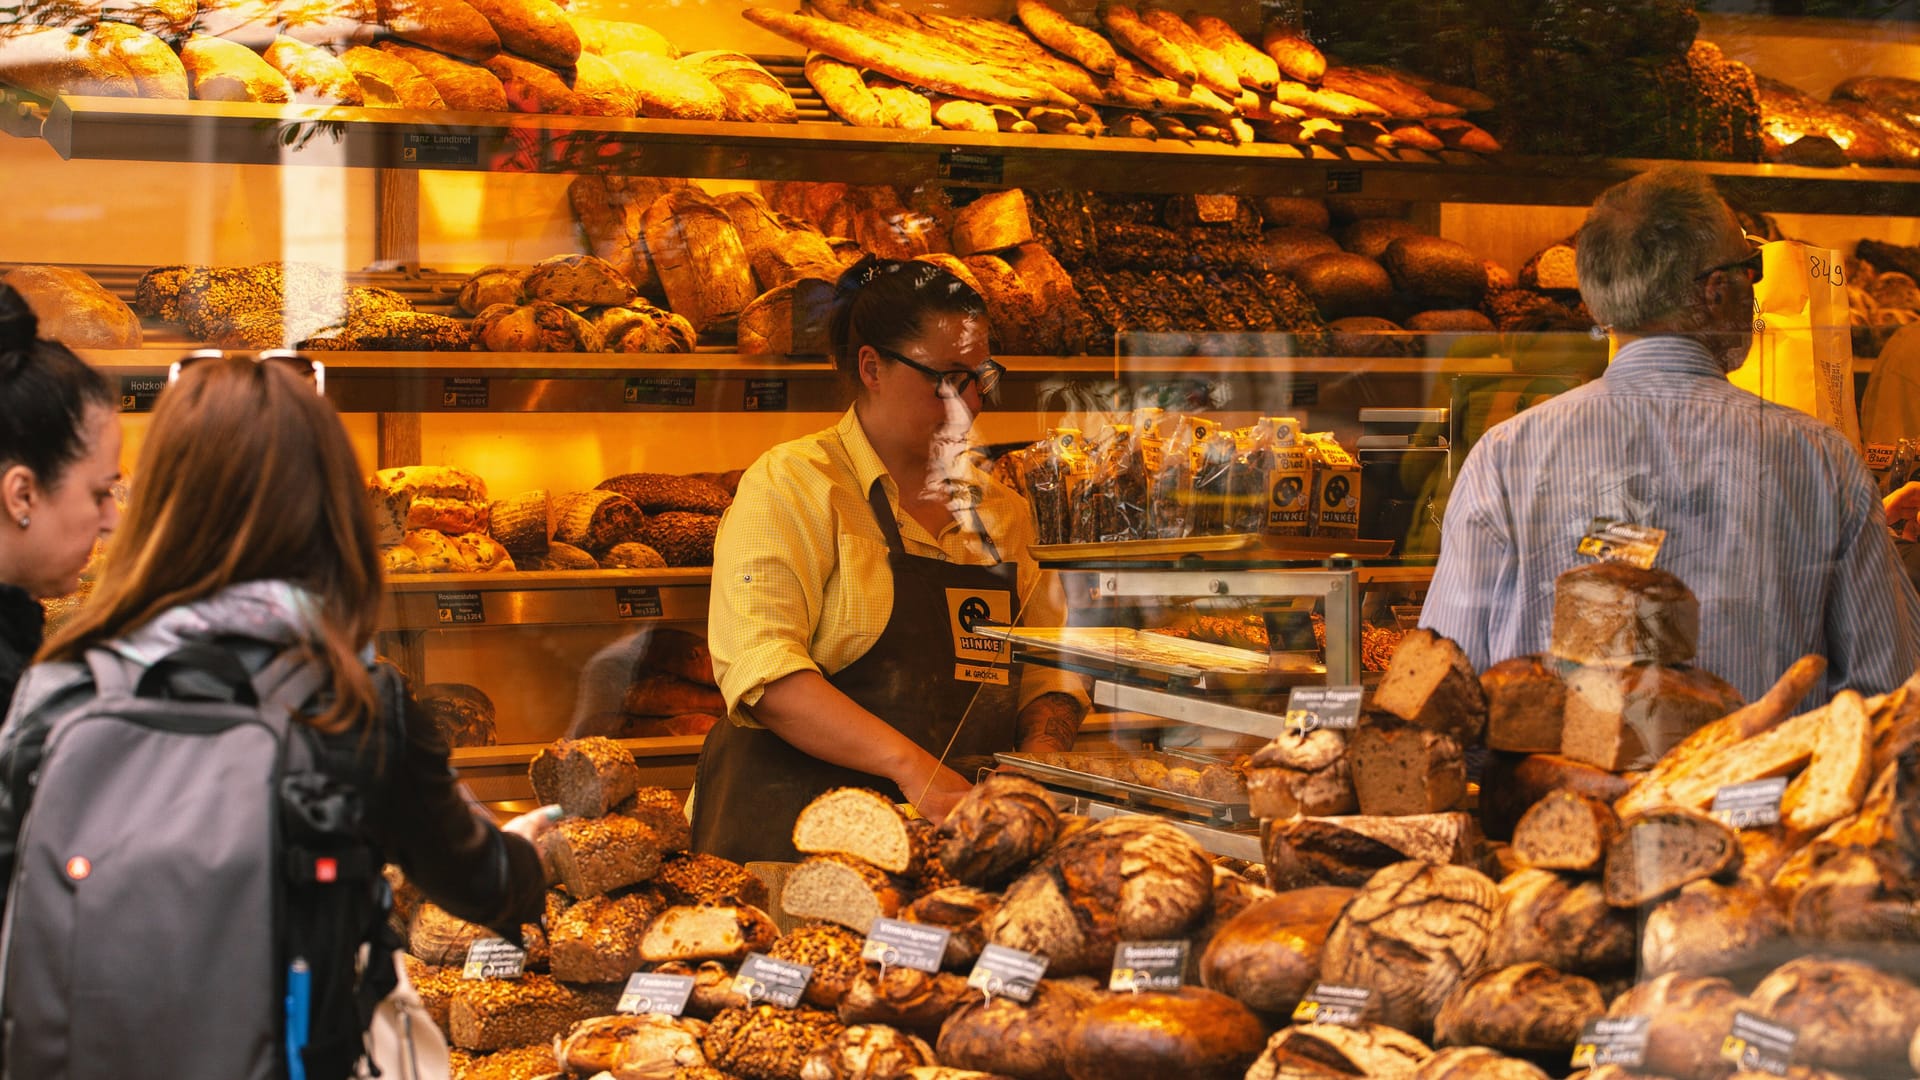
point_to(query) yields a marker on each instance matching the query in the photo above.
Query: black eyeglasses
(956, 381)
(1751, 264)
(300, 363)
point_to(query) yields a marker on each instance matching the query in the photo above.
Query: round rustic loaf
(866, 1052)
(1451, 321)
(1528, 1007)
(1279, 210)
(1689, 1019)
(1268, 956)
(1475, 1063)
(1851, 1017)
(1561, 921)
(963, 910)
(1436, 270)
(1000, 826)
(1290, 245)
(1411, 934)
(1342, 284)
(1126, 878)
(1189, 1033)
(1609, 612)
(1328, 1051)
(1372, 236)
(1026, 1041)
(1370, 335)
(1714, 929)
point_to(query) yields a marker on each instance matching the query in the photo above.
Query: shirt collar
(1668, 355)
(867, 466)
(22, 620)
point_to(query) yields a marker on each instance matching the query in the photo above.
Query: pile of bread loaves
(466, 55)
(436, 519)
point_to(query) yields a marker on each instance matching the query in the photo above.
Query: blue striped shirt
(1771, 520)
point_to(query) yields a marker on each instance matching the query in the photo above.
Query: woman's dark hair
(45, 391)
(886, 302)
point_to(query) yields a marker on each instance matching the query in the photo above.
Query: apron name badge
(973, 616)
(762, 978)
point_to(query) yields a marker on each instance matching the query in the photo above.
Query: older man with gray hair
(1770, 515)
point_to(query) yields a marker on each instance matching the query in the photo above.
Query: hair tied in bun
(19, 328)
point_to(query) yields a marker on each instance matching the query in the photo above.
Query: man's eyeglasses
(1751, 264)
(956, 381)
(301, 364)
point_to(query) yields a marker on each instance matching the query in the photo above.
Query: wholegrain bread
(694, 934)
(597, 855)
(496, 1014)
(1566, 831)
(598, 939)
(586, 777)
(1431, 683)
(842, 889)
(862, 824)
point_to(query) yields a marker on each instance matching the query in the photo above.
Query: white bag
(403, 1040)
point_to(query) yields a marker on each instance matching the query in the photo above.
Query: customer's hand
(1903, 510)
(535, 823)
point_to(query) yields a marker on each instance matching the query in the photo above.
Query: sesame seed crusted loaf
(834, 954)
(660, 810)
(592, 856)
(587, 777)
(768, 1043)
(494, 1014)
(598, 939)
(700, 878)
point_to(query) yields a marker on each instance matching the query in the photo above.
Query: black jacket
(22, 621)
(416, 813)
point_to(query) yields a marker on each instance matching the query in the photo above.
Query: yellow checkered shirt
(800, 575)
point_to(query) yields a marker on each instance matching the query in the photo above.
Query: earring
(25, 521)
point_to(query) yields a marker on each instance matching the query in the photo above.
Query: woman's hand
(1903, 510)
(934, 789)
(535, 823)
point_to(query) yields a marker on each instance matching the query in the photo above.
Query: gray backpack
(160, 890)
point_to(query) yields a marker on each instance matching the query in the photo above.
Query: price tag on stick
(1328, 1003)
(1759, 1045)
(1310, 708)
(1001, 971)
(494, 958)
(1612, 1042)
(775, 982)
(893, 943)
(647, 992)
(1148, 965)
(1751, 805)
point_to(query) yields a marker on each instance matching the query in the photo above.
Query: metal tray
(1141, 549)
(1126, 791)
(1156, 659)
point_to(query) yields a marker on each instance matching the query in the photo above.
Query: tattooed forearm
(1049, 723)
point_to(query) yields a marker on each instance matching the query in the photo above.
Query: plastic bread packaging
(1288, 507)
(1049, 477)
(1212, 476)
(1336, 487)
(1170, 494)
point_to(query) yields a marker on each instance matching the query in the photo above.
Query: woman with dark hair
(59, 469)
(248, 533)
(857, 580)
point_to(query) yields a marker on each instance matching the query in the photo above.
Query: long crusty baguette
(987, 47)
(1465, 97)
(1327, 103)
(1010, 48)
(1136, 87)
(1255, 69)
(1417, 88)
(1150, 45)
(844, 91)
(939, 76)
(1296, 57)
(1744, 723)
(1398, 105)
(1068, 38)
(1214, 70)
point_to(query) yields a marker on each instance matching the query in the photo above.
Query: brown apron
(920, 677)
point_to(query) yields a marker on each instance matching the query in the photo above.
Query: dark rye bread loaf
(998, 828)
(1401, 768)
(1526, 1008)
(657, 493)
(1526, 705)
(1412, 934)
(1659, 851)
(1565, 831)
(1268, 956)
(1430, 682)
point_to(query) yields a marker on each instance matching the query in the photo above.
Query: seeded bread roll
(699, 878)
(832, 951)
(597, 855)
(587, 777)
(461, 85)
(598, 939)
(1610, 612)
(410, 331)
(1268, 956)
(494, 1014)
(1562, 922)
(1530, 1008)
(690, 934)
(1526, 705)
(1412, 934)
(660, 810)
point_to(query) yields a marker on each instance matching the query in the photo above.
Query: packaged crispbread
(1336, 487)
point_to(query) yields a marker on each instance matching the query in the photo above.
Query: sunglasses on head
(1751, 264)
(956, 381)
(302, 365)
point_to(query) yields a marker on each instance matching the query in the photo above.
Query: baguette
(1295, 56)
(1744, 723)
(1150, 45)
(1135, 87)
(901, 107)
(313, 74)
(463, 86)
(1398, 105)
(1076, 42)
(536, 29)
(221, 70)
(958, 114)
(839, 85)
(390, 82)
(1213, 68)
(1254, 68)
(1408, 88)
(1460, 134)
(937, 75)
(449, 26)
(156, 69)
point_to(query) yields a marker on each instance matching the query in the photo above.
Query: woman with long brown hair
(248, 531)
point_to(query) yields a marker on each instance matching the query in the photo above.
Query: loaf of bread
(699, 257)
(1625, 717)
(536, 88)
(461, 85)
(713, 991)
(536, 29)
(1614, 613)
(495, 1014)
(832, 951)
(156, 68)
(1123, 879)
(1565, 831)
(1480, 1063)
(436, 937)
(1005, 1037)
(866, 1052)
(789, 319)
(464, 714)
(1327, 1051)
(595, 520)
(1835, 779)
(1268, 956)
(560, 556)
(1348, 850)
(598, 939)
(1708, 928)
(751, 92)
(408, 331)
(993, 222)
(640, 327)
(1341, 283)
(48, 61)
(1521, 1009)
(611, 210)
(222, 70)
(1526, 705)
(602, 89)
(1689, 1019)
(453, 27)
(598, 855)
(577, 281)
(1302, 774)
(1191, 1032)
(1657, 852)
(964, 912)
(387, 81)
(693, 934)
(905, 998)
(586, 777)
(667, 90)
(999, 827)
(1401, 768)
(426, 497)
(313, 74)
(1412, 934)
(75, 310)
(699, 878)
(862, 824)
(1512, 783)
(768, 1042)
(609, 36)
(1431, 683)
(1851, 1017)
(1562, 922)
(604, 1044)
(842, 889)
(523, 523)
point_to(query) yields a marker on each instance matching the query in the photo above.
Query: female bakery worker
(59, 469)
(849, 585)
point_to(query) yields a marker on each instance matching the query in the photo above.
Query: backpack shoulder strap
(290, 680)
(113, 675)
